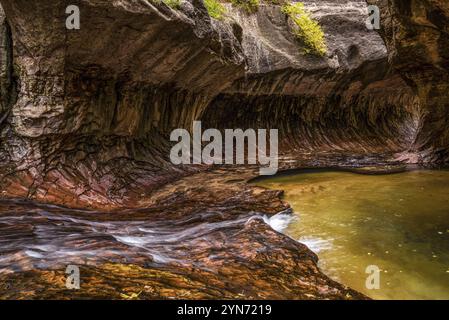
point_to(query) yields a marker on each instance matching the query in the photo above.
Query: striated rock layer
(416, 33)
(87, 113)
(93, 105)
(85, 117)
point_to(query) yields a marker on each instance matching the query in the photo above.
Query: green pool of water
(398, 222)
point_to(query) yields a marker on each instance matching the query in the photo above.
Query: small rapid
(39, 236)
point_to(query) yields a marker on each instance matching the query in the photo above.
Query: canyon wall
(416, 33)
(93, 105)
(85, 114)
(347, 101)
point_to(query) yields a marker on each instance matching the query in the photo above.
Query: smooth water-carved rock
(136, 70)
(85, 117)
(416, 33)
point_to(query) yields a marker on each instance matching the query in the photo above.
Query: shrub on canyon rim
(249, 6)
(307, 29)
(174, 4)
(215, 9)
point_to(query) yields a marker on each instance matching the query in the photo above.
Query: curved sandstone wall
(85, 114)
(416, 33)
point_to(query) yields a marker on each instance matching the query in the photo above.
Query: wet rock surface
(85, 118)
(201, 237)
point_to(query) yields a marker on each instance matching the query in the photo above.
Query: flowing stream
(40, 236)
(397, 222)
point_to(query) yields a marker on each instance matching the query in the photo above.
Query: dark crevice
(8, 89)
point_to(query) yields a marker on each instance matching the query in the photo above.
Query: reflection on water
(398, 222)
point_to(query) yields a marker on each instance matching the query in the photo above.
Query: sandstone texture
(86, 113)
(85, 118)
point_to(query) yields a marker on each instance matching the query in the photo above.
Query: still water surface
(398, 222)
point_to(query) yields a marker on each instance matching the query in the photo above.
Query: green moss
(215, 9)
(308, 30)
(249, 6)
(174, 4)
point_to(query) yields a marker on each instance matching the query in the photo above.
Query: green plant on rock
(215, 9)
(276, 2)
(307, 29)
(249, 6)
(174, 4)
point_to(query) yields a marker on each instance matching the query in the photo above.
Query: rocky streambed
(204, 236)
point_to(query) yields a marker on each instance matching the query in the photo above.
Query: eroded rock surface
(88, 124)
(201, 237)
(85, 117)
(416, 33)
